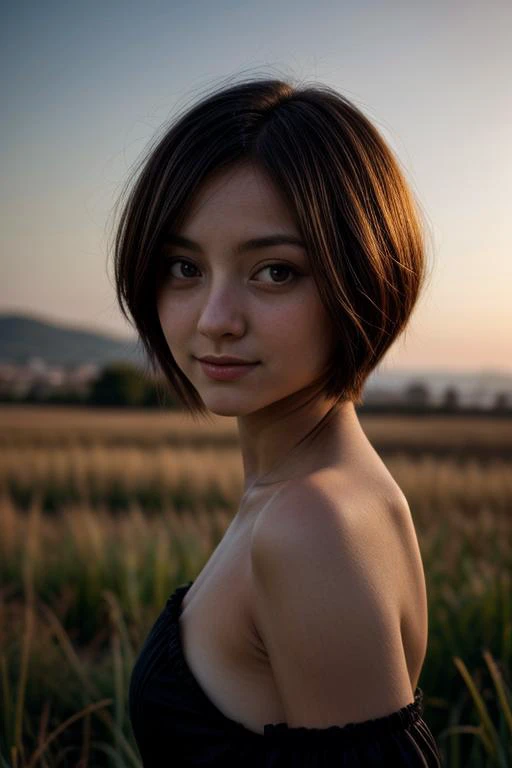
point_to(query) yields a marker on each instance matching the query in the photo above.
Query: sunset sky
(85, 87)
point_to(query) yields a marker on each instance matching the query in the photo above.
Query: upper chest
(216, 611)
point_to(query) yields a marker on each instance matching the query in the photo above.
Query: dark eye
(279, 268)
(183, 272)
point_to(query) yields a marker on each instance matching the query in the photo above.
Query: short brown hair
(356, 213)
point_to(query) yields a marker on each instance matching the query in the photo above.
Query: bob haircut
(353, 207)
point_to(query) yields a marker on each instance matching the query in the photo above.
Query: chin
(228, 410)
(226, 406)
(225, 412)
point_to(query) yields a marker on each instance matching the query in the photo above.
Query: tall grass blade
(72, 656)
(500, 688)
(489, 734)
(62, 727)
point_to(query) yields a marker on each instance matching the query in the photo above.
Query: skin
(235, 304)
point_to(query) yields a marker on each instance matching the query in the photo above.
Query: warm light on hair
(353, 206)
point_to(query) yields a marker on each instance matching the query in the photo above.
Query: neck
(275, 445)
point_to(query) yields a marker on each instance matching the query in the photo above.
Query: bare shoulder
(326, 614)
(330, 504)
(353, 534)
(299, 506)
(334, 520)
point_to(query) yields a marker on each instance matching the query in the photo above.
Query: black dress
(176, 724)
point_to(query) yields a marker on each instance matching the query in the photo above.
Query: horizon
(89, 88)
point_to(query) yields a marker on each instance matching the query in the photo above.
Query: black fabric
(176, 724)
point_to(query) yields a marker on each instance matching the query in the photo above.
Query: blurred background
(110, 497)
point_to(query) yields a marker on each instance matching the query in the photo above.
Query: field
(104, 512)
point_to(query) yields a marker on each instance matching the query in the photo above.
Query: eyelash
(168, 263)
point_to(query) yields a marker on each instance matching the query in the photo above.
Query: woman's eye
(180, 273)
(279, 268)
(189, 270)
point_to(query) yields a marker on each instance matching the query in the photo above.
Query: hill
(23, 337)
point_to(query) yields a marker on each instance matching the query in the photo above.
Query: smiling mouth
(228, 371)
(230, 364)
(227, 365)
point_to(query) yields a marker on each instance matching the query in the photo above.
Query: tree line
(122, 384)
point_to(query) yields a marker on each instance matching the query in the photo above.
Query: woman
(272, 224)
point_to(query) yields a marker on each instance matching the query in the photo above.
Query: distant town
(124, 383)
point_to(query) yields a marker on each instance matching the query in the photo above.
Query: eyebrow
(249, 245)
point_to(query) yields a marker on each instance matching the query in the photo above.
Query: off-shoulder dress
(176, 724)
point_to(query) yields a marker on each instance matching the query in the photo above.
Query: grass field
(103, 513)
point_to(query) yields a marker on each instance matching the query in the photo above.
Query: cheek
(304, 328)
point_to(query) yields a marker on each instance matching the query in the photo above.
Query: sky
(85, 87)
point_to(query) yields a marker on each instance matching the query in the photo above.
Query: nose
(222, 313)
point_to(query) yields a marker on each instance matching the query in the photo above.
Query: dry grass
(80, 587)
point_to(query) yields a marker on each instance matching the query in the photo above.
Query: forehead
(240, 195)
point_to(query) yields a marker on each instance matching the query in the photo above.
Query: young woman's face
(258, 304)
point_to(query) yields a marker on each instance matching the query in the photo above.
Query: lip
(226, 360)
(226, 372)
